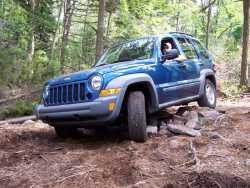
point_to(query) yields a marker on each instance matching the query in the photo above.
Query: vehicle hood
(86, 74)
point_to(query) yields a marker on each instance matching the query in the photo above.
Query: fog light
(107, 92)
(111, 106)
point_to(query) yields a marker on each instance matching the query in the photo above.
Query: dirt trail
(32, 156)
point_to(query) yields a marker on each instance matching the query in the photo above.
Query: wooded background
(40, 39)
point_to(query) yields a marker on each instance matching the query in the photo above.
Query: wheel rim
(210, 94)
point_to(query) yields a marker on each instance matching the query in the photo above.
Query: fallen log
(18, 120)
(2, 101)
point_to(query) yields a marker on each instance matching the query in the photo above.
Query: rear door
(191, 68)
(205, 60)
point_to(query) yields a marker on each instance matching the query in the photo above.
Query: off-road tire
(65, 132)
(136, 115)
(204, 101)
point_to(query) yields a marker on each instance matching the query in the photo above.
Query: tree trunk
(177, 21)
(100, 30)
(31, 44)
(31, 48)
(69, 6)
(208, 24)
(56, 31)
(3, 9)
(84, 38)
(206, 9)
(108, 25)
(244, 65)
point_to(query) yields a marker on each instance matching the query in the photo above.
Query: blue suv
(129, 82)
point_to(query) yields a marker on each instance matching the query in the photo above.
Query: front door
(172, 75)
(180, 80)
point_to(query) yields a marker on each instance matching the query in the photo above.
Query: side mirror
(171, 54)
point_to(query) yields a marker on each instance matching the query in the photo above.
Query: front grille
(66, 93)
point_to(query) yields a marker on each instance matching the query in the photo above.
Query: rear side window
(187, 48)
(202, 50)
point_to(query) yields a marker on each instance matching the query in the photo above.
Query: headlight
(96, 82)
(46, 91)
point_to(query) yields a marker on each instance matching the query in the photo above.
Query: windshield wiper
(101, 64)
(121, 60)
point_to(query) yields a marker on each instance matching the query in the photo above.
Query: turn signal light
(107, 92)
(111, 106)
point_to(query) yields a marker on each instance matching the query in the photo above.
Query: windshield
(134, 50)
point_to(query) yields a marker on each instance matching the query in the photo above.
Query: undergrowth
(232, 90)
(20, 108)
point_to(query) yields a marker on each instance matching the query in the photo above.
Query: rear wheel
(208, 98)
(137, 116)
(65, 132)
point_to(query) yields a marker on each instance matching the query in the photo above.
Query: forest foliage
(40, 39)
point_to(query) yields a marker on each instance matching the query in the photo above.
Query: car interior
(171, 41)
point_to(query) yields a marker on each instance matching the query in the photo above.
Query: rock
(158, 156)
(222, 120)
(182, 110)
(248, 162)
(162, 124)
(203, 109)
(4, 125)
(27, 122)
(152, 129)
(192, 115)
(174, 144)
(163, 131)
(184, 130)
(210, 115)
(39, 121)
(178, 142)
(131, 146)
(179, 120)
(194, 125)
(193, 120)
(215, 136)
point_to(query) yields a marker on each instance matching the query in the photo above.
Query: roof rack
(182, 33)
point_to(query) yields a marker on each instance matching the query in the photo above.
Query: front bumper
(80, 114)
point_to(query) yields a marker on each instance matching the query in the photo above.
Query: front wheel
(137, 123)
(208, 99)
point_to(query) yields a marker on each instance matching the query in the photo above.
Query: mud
(31, 155)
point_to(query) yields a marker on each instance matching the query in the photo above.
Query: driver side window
(170, 41)
(169, 50)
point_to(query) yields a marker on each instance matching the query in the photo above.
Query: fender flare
(204, 74)
(125, 81)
